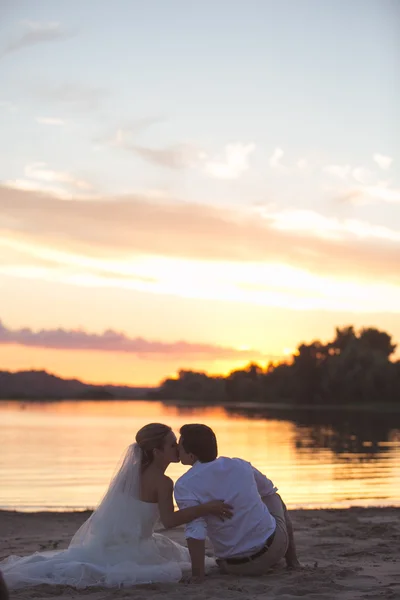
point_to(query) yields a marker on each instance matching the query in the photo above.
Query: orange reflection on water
(62, 454)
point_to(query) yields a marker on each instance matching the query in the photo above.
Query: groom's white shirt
(238, 483)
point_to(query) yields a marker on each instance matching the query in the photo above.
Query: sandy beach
(345, 554)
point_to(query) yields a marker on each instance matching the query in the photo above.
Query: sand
(346, 554)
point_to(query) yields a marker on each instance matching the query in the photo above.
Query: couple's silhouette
(224, 499)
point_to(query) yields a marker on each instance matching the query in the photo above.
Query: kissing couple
(224, 499)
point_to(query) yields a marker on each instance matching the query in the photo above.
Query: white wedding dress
(115, 547)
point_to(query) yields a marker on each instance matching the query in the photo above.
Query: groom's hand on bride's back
(218, 508)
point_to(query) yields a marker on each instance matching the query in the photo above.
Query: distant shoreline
(284, 406)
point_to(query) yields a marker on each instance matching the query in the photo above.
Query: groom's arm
(195, 531)
(265, 486)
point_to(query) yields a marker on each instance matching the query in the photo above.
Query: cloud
(340, 171)
(19, 258)
(115, 341)
(121, 228)
(40, 172)
(275, 160)
(176, 156)
(324, 227)
(49, 121)
(179, 156)
(29, 185)
(384, 162)
(232, 165)
(36, 33)
(363, 175)
(121, 136)
(371, 194)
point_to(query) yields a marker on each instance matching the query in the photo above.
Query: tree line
(355, 368)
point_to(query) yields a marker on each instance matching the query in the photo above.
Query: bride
(117, 545)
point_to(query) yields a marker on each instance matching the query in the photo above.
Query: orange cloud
(133, 225)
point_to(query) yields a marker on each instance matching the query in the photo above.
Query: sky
(195, 185)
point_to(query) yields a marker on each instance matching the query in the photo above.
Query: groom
(260, 532)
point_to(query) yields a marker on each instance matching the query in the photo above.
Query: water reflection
(62, 454)
(351, 435)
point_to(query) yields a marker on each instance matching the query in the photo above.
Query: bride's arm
(173, 518)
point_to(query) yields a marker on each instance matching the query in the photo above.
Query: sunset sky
(194, 184)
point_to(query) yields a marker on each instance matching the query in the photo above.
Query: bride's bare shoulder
(165, 484)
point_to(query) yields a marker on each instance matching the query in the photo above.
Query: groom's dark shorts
(274, 553)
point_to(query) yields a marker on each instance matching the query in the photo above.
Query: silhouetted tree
(343, 338)
(378, 341)
(244, 385)
(193, 386)
(353, 368)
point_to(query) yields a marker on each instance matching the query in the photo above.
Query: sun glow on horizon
(264, 284)
(289, 351)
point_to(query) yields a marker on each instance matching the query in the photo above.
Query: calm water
(62, 455)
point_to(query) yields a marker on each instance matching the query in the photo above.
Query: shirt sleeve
(264, 485)
(184, 497)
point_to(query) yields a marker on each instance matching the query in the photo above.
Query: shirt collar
(197, 466)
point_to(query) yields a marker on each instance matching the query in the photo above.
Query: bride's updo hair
(149, 438)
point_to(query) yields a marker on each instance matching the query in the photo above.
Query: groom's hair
(199, 440)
